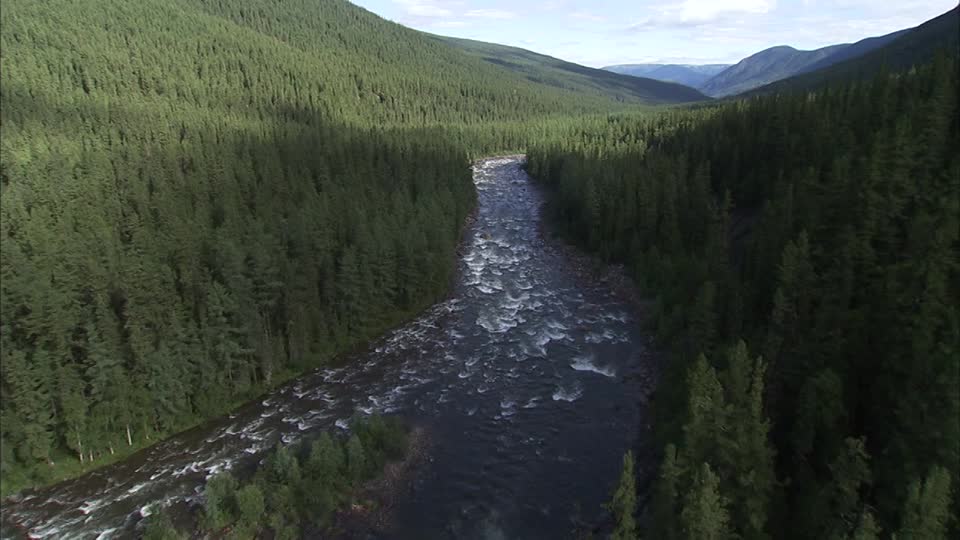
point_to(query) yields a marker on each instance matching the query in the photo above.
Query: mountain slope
(199, 198)
(202, 197)
(764, 67)
(556, 73)
(910, 48)
(193, 208)
(855, 50)
(687, 74)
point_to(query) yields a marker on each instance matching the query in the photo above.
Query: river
(529, 380)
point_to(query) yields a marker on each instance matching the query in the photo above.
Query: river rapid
(528, 379)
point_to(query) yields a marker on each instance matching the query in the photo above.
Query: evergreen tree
(623, 505)
(666, 497)
(250, 507)
(926, 512)
(356, 459)
(867, 529)
(219, 508)
(704, 515)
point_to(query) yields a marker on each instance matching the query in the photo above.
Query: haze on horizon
(605, 32)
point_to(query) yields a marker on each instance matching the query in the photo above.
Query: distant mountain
(855, 50)
(908, 48)
(765, 67)
(549, 71)
(689, 74)
(779, 63)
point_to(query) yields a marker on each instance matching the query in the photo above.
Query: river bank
(514, 376)
(375, 514)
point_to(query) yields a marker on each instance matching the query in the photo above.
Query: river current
(528, 380)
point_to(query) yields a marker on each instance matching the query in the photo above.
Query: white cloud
(449, 24)
(692, 10)
(702, 12)
(425, 8)
(587, 16)
(490, 14)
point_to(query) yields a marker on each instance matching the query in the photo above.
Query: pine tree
(250, 508)
(666, 497)
(926, 512)
(748, 456)
(356, 459)
(624, 502)
(219, 507)
(706, 413)
(704, 515)
(867, 529)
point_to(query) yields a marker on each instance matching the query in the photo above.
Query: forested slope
(200, 198)
(909, 48)
(764, 67)
(803, 253)
(558, 73)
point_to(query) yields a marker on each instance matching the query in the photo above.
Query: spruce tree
(623, 505)
(704, 515)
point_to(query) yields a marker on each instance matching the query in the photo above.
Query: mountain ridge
(556, 72)
(768, 65)
(906, 49)
(693, 75)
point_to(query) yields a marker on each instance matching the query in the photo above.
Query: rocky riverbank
(372, 512)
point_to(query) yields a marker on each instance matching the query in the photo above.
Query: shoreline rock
(373, 513)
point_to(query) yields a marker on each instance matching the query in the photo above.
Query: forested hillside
(195, 205)
(910, 47)
(803, 254)
(764, 67)
(551, 71)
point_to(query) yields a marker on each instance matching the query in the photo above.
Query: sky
(604, 32)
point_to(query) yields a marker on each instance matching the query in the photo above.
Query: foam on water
(90, 506)
(108, 533)
(607, 335)
(587, 363)
(568, 393)
(497, 323)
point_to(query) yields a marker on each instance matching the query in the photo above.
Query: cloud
(690, 13)
(587, 16)
(449, 24)
(425, 8)
(490, 14)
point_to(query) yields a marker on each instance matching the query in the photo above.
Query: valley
(516, 376)
(251, 249)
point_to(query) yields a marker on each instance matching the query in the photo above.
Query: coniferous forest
(201, 199)
(802, 254)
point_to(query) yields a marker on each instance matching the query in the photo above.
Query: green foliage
(624, 502)
(356, 459)
(219, 507)
(913, 47)
(198, 201)
(250, 507)
(304, 484)
(704, 515)
(566, 75)
(666, 497)
(867, 529)
(927, 510)
(822, 230)
(159, 527)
